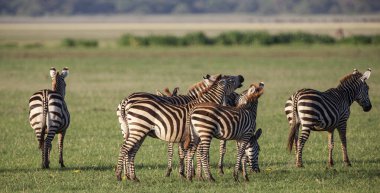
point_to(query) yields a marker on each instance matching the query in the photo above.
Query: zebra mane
(218, 77)
(254, 96)
(350, 78)
(199, 84)
(54, 82)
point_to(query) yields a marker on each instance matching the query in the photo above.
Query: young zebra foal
(324, 111)
(226, 123)
(48, 115)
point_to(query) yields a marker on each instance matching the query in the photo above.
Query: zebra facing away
(193, 94)
(209, 120)
(48, 115)
(313, 110)
(166, 121)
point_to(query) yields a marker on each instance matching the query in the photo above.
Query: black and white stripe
(165, 121)
(48, 115)
(313, 110)
(227, 123)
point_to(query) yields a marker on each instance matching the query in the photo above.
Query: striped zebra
(48, 115)
(226, 123)
(313, 110)
(166, 121)
(193, 94)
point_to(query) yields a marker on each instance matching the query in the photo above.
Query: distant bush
(34, 45)
(357, 40)
(69, 42)
(197, 38)
(9, 45)
(243, 38)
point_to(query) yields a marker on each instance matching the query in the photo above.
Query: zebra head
(231, 83)
(362, 98)
(58, 80)
(253, 150)
(252, 94)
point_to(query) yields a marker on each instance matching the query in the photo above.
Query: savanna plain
(99, 78)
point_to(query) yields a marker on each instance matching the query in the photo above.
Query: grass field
(100, 78)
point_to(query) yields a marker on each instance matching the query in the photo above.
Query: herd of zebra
(211, 109)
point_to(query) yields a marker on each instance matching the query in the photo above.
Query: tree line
(262, 7)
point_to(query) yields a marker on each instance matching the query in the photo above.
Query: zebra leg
(244, 166)
(170, 159)
(190, 154)
(181, 154)
(131, 162)
(342, 135)
(301, 143)
(47, 146)
(239, 157)
(199, 165)
(222, 152)
(204, 149)
(61, 137)
(331, 147)
(124, 149)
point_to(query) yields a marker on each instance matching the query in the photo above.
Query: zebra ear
(258, 134)
(175, 91)
(355, 71)
(206, 77)
(65, 72)
(53, 72)
(366, 75)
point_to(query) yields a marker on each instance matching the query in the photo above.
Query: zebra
(227, 123)
(48, 115)
(166, 121)
(193, 94)
(313, 110)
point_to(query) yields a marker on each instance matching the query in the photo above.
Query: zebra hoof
(135, 179)
(168, 172)
(62, 165)
(221, 172)
(246, 178)
(348, 164)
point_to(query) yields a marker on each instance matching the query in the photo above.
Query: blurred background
(101, 23)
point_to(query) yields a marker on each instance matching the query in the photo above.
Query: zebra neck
(347, 92)
(60, 88)
(197, 91)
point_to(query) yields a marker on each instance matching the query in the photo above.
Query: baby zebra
(48, 115)
(324, 111)
(226, 123)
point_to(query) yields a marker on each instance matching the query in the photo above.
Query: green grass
(100, 78)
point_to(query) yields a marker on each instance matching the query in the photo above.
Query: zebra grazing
(166, 121)
(193, 94)
(227, 123)
(325, 111)
(48, 115)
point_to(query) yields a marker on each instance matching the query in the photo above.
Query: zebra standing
(227, 123)
(166, 121)
(193, 94)
(48, 115)
(324, 111)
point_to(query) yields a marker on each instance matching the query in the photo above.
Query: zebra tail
(294, 126)
(123, 106)
(43, 122)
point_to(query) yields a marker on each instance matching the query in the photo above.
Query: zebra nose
(367, 108)
(241, 78)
